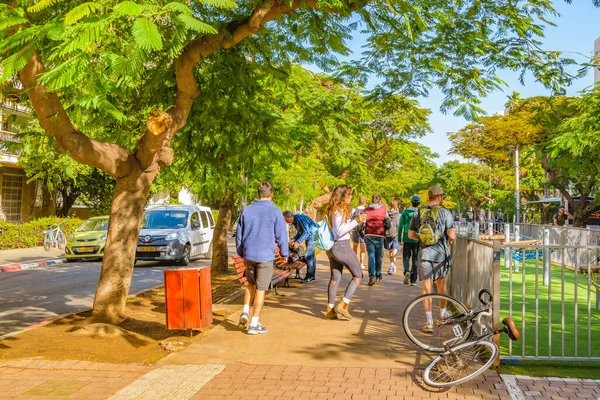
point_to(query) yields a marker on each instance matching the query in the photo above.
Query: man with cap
(410, 247)
(434, 260)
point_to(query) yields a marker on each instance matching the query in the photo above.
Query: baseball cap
(415, 199)
(435, 191)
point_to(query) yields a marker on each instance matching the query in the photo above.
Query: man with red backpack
(377, 223)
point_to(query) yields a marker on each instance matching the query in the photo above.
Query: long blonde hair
(337, 203)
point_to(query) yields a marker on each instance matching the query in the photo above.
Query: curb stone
(19, 267)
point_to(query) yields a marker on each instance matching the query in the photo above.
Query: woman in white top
(341, 254)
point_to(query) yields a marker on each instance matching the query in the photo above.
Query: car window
(195, 218)
(212, 221)
(204, 219)
(93, 225)
(165, 219)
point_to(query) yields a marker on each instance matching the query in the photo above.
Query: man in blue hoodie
(260, 229)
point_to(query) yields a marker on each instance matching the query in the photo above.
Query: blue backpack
(323, 236)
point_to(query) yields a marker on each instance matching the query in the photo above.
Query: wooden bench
(283, 264)
(279, 275)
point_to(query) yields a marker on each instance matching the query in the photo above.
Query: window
(195, 218)
(212, 221)
(12, 196)
(204, 219)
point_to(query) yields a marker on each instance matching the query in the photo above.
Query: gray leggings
(341, 255)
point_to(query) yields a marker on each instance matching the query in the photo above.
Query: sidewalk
(28, 255)
(303, 356)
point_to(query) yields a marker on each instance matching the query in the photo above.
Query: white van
(175, 233)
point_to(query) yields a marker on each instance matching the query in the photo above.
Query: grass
(550, 324)
(562, 369)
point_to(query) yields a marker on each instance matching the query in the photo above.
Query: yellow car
(88, 240)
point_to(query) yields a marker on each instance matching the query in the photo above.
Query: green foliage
(31, 234)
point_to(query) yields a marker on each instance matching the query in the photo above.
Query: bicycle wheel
(460, 364)
(61, 240)
(452, 330)
(47, 243)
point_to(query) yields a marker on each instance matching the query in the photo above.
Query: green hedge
(31, 234)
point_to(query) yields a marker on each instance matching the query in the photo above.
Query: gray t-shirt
(441, 250)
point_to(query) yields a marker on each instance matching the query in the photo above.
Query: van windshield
(165, 219)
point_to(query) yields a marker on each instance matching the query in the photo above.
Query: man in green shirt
(410, 247)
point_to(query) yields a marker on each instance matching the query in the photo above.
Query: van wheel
(208, 254)
(185, 257)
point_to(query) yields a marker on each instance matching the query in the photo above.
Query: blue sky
(577, 28)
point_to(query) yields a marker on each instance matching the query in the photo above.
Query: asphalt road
(31, 296)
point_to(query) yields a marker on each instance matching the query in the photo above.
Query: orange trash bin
(188, 298)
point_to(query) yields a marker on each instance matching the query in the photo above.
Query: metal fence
(553, 305)
(556, 306)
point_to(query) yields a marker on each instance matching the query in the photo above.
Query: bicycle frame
(473, 318)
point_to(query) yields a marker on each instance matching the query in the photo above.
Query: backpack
(323, 236)
(428, 226)
(391, 231)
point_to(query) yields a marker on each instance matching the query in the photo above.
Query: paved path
(303, 356)
(29, 255)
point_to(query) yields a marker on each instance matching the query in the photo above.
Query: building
(17, 197)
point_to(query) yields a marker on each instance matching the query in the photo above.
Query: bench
(279, 275)
(283, 264)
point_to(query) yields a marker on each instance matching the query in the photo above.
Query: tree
(130, 67)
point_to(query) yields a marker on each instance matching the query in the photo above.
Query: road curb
(19, 267)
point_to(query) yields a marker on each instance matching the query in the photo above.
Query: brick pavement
(70, 379)
(281, 382)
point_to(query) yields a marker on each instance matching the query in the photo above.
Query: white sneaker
(392, 269)
(428, 328)
(362, 266)
(445, 314)
(257, 330)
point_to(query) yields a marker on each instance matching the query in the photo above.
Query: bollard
(547, 265)
(506, 241)
(517, 238)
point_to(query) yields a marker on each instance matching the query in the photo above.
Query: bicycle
(54, 237)
(459, 360)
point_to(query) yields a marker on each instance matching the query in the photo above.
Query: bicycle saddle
(511, 329)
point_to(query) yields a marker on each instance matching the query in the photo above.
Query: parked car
(175, 233)
(88, 240)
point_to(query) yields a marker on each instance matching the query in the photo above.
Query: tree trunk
(220, 258)
(68, 199)
(129, 200)
(47, 201)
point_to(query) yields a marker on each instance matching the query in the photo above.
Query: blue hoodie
(260, 227)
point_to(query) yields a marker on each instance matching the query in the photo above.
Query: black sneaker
(307, 280)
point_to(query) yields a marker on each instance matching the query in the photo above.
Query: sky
(577, 28)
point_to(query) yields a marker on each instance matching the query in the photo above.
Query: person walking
(410, 247)
(261, 227)
(391, 235)
(341, 222)
(433, 227)
(376, 224)
(304, 226)
(358, 242)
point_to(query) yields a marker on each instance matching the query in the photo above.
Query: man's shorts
(433, 270)
(259, 273)
(391, 243)
(356, 237)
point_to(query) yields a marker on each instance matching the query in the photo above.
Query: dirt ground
(142, 339)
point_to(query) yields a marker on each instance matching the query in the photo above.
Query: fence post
(517, 238)
(496, 294)
(491, 228)
(506, 240)
(476, 231)
(547, 265)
